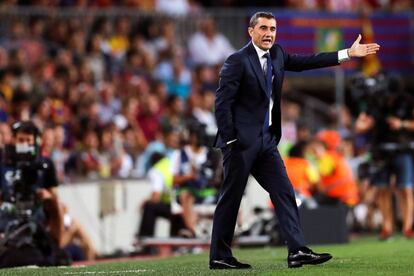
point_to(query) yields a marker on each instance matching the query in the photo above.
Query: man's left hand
(362, 50)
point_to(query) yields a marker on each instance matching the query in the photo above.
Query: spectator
(303, 175)
(342, 6)
(401, 5)
(34, 46)
(90, 162)
(43, 114)
(74, 236)
(160, 202)
(121, 161)
(138, 43)
(134, 143)
(172, 7)
(4, 116)
(166, 143)
(77, 44)
(5, 134)
(167, 44)
(173, 117)
(204, 113)
(304, 4)
(109, 104)
(89, 116)
(207, 46)
(148, 116)
(176, 76)
(60, 155)
(20, 105)
(337, 181)
(48, 141)
(206, 78)
(95, 58)
(290, 116)
(6, 84)
(119, 42)
(187, 168)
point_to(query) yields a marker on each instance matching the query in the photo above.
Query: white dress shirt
(263, 62)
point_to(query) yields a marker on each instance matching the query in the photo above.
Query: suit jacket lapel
(254, 60)
(276, 73)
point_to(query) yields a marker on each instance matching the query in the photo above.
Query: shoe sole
(223, 265)
(314, 262)
(228, 267)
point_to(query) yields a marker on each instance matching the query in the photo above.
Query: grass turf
(364, 256)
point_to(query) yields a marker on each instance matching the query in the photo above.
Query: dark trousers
(263, 161)
(150, 214)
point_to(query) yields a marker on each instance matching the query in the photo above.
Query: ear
(250, 31)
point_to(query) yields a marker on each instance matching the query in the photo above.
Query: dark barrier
(325, 224)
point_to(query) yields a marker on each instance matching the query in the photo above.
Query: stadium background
(112, 226)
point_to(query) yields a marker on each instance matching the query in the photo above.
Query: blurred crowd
(182, 7)
(104, 97)
(361, 157)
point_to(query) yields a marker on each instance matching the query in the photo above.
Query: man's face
(24, 138)
(263, 34)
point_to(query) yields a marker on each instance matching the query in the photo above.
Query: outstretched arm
(306, 62)
(362, 50)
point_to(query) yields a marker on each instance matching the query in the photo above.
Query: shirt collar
(259, 51)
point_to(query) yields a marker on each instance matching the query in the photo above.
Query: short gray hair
(257, 15)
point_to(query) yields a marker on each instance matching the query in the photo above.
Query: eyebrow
(266, 26)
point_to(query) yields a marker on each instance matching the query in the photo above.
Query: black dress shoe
(228, 263)
(304, 255)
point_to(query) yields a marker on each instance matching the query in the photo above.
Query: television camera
(23, 237)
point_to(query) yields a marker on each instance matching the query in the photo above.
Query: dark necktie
(268, 76)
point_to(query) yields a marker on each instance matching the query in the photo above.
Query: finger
(371, 52)
(372, 46)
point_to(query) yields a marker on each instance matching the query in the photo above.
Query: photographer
(29, 199)
(389, 120)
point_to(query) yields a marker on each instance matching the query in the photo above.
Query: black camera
(370, 88)
(25, 167)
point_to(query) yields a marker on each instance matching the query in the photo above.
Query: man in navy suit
(248, 118)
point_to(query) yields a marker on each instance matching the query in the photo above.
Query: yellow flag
(371, 65)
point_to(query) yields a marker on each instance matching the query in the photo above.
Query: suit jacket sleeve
(298, 63)
(230, 78)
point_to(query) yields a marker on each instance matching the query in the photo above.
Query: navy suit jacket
(241, 102)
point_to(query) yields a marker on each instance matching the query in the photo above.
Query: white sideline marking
(109, 272)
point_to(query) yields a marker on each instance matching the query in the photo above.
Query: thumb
(358, 39)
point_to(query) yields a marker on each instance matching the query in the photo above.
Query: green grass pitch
(365, 256)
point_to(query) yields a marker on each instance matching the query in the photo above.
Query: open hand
(362, 50)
